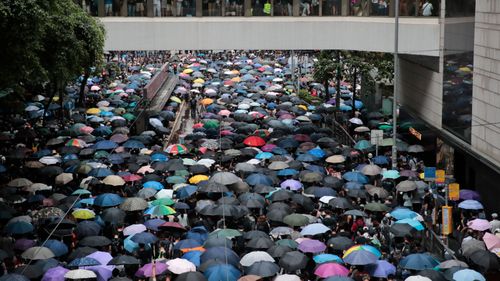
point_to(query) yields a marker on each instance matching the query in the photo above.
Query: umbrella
(225, 178)
(134, 204)
(222, 272)
(255, 256)
(293, 261)
(84, 261)
(263, 269)
(123, 260)
(340, 243)
(144, 238)
(484, 259)
(360, 257)
(479, 224)
(79, 274)
(18, 227)
(95, 241)
(179, 266)
(467, 275)
(37, 253)
(314, 229)
(57, 247)
(55, 274)
(418, 262)
(311, 246)
(296, 220)
(406, 185)
(148, 269)
(108, 200)
(14, 277)
(381, 269)
(470, 205)
(331, 269)
(254, 141)
(191, 276)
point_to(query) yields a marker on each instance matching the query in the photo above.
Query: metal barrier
(174, 132)
(340, 134)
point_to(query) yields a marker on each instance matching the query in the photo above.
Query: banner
(447, 221)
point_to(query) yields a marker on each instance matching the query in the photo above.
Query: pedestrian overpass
(417, 35)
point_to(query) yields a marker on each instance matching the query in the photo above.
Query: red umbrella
(131, 177)
(254, 141)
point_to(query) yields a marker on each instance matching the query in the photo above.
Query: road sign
(430, 173)
(447, 221)
(454, 191)
(440, 176)
(376, 137)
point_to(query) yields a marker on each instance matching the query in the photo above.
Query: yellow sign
(454, 191)
(447, 221)
(440, 176)
(416, 133)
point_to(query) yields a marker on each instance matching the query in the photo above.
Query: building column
(199, 8)
(247, 7)
(344, 9)
(296, 8)
(123, 9)
(149, 8)
(101, 10)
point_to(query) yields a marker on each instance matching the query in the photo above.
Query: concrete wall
(421, 90)
(486, 91)
(419, 36)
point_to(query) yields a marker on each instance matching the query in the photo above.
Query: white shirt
(427, 9)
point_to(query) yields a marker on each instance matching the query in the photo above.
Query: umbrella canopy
(418, 262)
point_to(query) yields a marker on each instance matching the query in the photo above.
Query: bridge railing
(248, 8)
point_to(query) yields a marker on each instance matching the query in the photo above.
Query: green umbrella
(287, 242)
(225, 233)
(163, 201)
(181, 173)
(211, 124)
(101, 154)
(296, 220)
(363, 145)
(385, 127)
(176, 179)
(376, 207)
(129, 116)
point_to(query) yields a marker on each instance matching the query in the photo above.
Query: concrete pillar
(247, 6)
(344, 9)
(199, 8)
(101, 12)
(320, 11)
(296, 8)
(123, 9)
(149, 8)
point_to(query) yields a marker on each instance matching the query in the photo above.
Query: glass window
(460, 8)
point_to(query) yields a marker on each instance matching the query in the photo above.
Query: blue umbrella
(102, 131)
(287, 172)
(100, 172)
(324, 191)
(345, 107)
(116, 159)
(133, 144)
(220, 253)
(68, 157)
(316, 168)
(470, 205)
(144, 238)
(83, 202)
(363, 145)
(105, 145)
(350, 185)
(187, 243)
(468, 275)
(185, 192)
(181, 206)
(222, 272)
(85, 261)
(257, 178)
(108, 200)
(355, 176)
(2, 169)
(380, 160)
(87, 228)
(360, 257)
(264, 155)
(158, 157)
(194, 257)
(176, 179)
(413, 222)
(57, 247)
(18, 227)
(199, 233)
(403, 213)
(322, 258)
(381, 269)
(153, 224)
(318, 152)
(153, 184)
(390, 174)
(42, 153)
(418, 262)
(14, 277)
(306, 157)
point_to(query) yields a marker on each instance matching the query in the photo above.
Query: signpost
(453, 191)
(376, 138)
(447, 220)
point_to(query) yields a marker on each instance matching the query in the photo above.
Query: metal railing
(340, 134)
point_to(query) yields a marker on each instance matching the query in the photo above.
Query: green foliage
(47, 43)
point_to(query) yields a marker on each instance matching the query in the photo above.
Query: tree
(49, 44)
(325, 69)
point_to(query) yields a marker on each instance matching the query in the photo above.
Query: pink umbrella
(224, 112)
(145, 169)
(268, 147)
(134, 229)
(479, 224)
(87, 130)
(331, 269)
(491, 241)
(147, 269)
(95, 88)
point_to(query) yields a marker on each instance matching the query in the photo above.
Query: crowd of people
(258, 188)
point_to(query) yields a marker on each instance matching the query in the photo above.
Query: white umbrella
(416, 148)
(37, 253)
(32, 108)
(113, 180)
(356, 121)
(63, 178)
(335, 159)
(20, 218)
(256, 256)
(134, 229)
(206, 162)
(38, 187)
(326, 199)
(164, 193)
(49, 160)
(371, 170)
(155, 122)
(417, 278)
(314, 229)
(287, 277)
(361, 129)
(179, 266)
(80, 274)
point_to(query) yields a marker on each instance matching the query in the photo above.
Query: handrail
(174, 132)
(341, 134)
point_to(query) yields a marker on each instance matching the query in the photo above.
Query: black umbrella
(339, 243)
(123, 260)
(432, 274)
(340, 203)
(402, 229)
(484, 259)
(263, 269)
(95, 241)
(255, 234)
(277, 251)
(191, 276)
(218, 242)
(293, 261)
(277, 215)
(260, 243)
(113, 215)
(263, 189)
(81, 252)
(198, 169)
(281, 195)
(32, 271)
(210, 186)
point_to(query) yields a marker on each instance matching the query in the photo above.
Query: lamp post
(395, 93)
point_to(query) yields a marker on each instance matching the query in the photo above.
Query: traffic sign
(376, 137)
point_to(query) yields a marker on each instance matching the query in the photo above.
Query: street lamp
(395, 82)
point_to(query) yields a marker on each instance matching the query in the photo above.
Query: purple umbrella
(470, 205)
(291, 184)
(102, 257)
(408, 173)
(24, 244)
(381, 269)
(103, 272)
(153, 224)
(55, 274)
(467, 194)
(268, 147)
(311, 246)
(147, 269)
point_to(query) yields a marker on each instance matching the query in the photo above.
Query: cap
(494, 215)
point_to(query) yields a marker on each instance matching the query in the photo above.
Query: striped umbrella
(176, 149)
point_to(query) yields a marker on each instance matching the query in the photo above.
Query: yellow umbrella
(93, 111)
(206, 101)
(199, 80)
(465, 69)
(236, 79)
(235, 72)
(187, 71)
(83, 214)
(176, 99)
(196, 179)
(303, 107)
